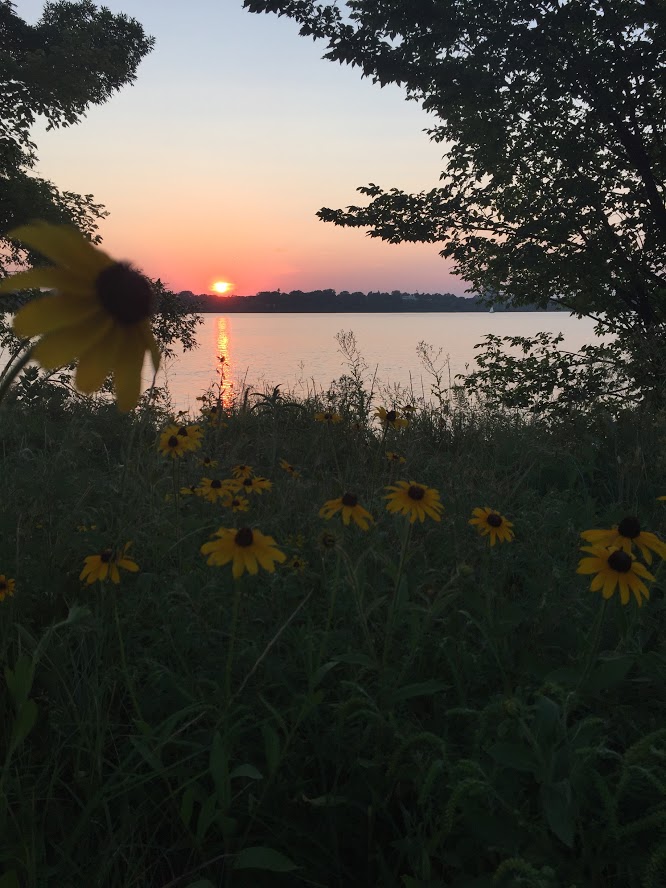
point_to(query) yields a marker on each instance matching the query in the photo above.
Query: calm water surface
(300, 351)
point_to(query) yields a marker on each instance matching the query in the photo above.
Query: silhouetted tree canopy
(75, 56)
(552, 116)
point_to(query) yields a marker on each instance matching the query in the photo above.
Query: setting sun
(222, 287)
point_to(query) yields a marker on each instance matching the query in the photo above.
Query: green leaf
(262, 858)
(10, 879)
(19, 680)
(514, 756)
(271, 748)
(609, 673)
(419, 689)
(24, 722)
(219, 770)
(557, 806)
(246, 771)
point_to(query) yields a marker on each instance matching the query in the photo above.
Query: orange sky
(235, 133)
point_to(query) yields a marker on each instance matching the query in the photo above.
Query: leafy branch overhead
(552, 119)
(75, 56)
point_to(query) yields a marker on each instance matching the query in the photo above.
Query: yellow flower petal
(97, 363)
(127, 372)
(49, 313)
(62, 346)
(51, 277)
(62, 244)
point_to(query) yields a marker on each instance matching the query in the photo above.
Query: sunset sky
(234, 134)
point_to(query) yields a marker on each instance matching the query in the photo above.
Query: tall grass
(462, 716)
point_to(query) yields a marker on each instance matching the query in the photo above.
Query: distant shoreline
(332, 302)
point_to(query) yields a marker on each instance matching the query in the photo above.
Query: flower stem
(391, 612)
(123, 661)
(232, 642)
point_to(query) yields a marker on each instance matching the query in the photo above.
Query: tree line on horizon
(330, 300)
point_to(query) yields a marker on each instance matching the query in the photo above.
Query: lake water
(300, 351)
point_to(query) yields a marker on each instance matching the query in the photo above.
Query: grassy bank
(402, 706)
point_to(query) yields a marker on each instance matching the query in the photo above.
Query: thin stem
(123, 661)
(232, 643)
(391, 613)
(14, 372)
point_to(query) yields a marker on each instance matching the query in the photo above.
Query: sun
(222, 287)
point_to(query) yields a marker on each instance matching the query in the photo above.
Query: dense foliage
(551, 115)
(414, 709)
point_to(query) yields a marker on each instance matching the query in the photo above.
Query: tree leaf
(262, 858)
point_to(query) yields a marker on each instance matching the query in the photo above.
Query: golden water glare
(223, 359)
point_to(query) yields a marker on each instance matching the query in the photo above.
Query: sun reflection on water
(223, 360)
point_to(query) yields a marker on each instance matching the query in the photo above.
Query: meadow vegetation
(402, 705)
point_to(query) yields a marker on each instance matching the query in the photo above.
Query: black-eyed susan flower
(189, 490)
(490, 522)
(395, 457)
(350, 508)
(615, 568)
(327, 540)
(296, 564)
(237, 503)
(214, 415)
(100, 314)
(242, 471)
(328, 416)
(208, 462)
(212, 489)
(391, 418)
(414, 500)
(172, 444)
(627, 533)
(7, 587)
(192, 435)
(408, 410)
(295, 541)
(289, 469)
(247, 549)
(105, 565)
(250, 485)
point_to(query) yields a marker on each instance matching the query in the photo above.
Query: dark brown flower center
(415, 492)
(391, 416)
(328, 416)
(619, 561)
(494, 519)
(105, 556)
(173, 441)
(629, 527)
(244, 537)
(183, 431)
(350, 499)
(247, 482)
(125, 294)
(3, 586)
(327, 540)
(216, 484)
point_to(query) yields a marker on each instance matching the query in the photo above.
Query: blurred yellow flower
(328, 417)
(237, 503)
(192, 435)
(395, 457)
(250, 485)
(242, 471)
(615, 568)
(7, 587)
(99, 315)
(391, 418)
(212, 489)
(625, 534)
(488, 521)
(414, 500)
(289, 469)
(106, 564)
(247, 549)
(297, 564)
(172, 444)
(207, 462)
(349, 506)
